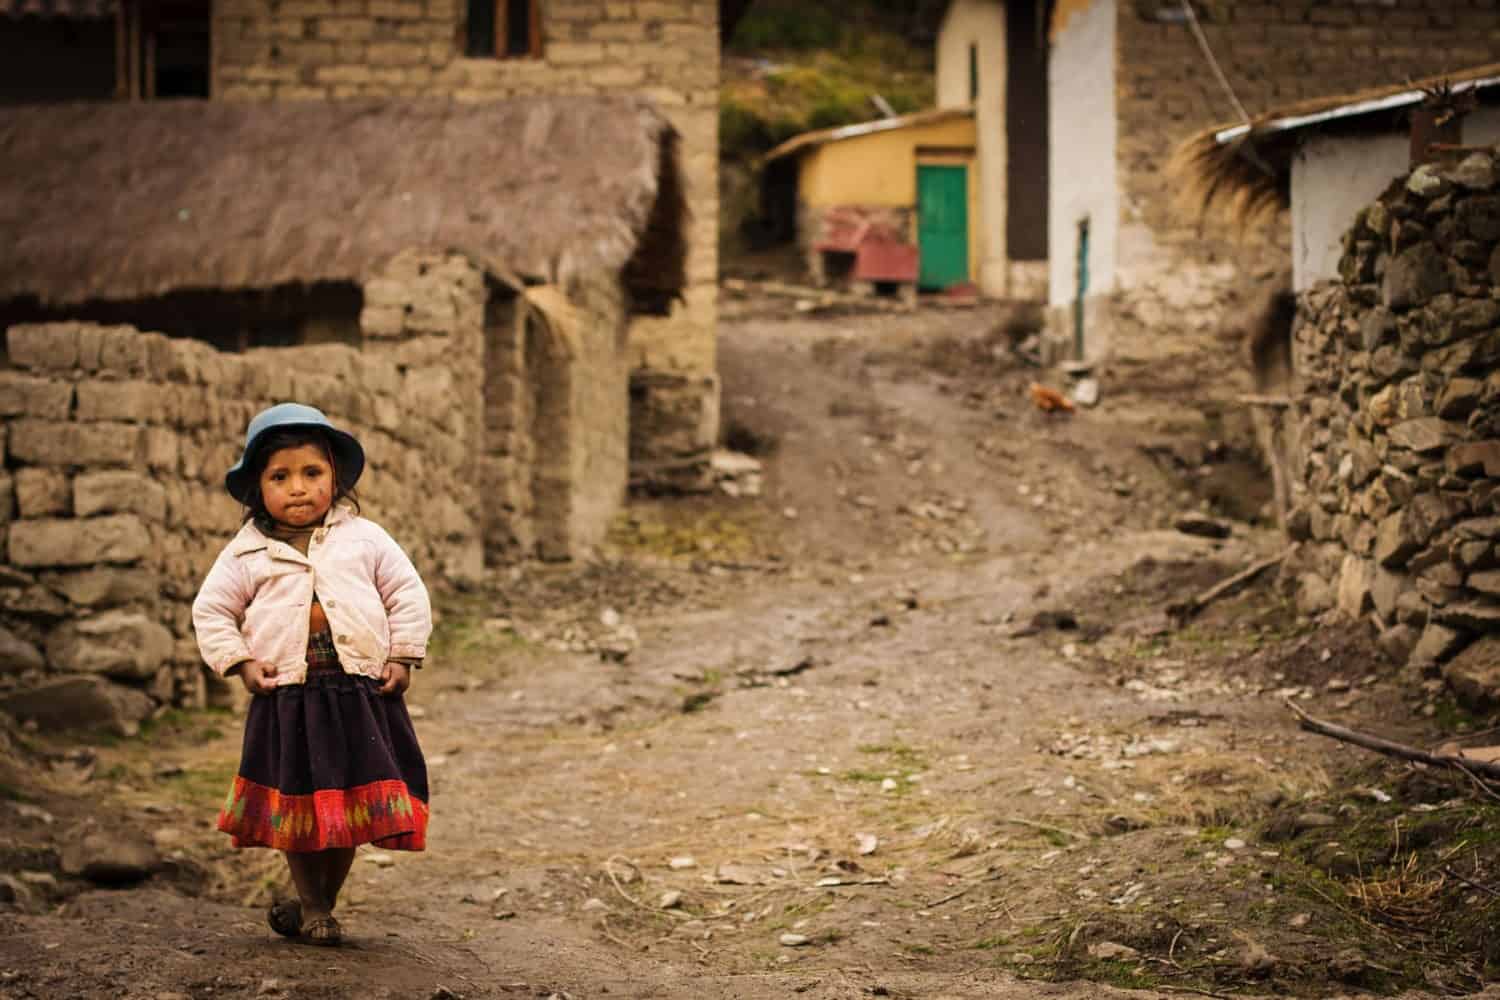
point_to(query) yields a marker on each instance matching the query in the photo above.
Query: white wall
(981, 23)
(1334, 177)
(1082, 161)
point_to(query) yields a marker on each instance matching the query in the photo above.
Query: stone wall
(491, 418)
(115, 445)
(665, 50)
(1173, 280)
(1394, 435)
(557, 404)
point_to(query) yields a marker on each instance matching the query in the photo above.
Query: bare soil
(911, 723)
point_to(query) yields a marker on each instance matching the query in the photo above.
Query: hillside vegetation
(793, 66)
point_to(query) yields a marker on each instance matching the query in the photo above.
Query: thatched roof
(1242, 171)
(127, 201)
(811, 140)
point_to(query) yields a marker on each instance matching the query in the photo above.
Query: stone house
(1317, 164)
(1130, 277)
(1387, 425)
(666, 51)
(1392, 431)
(1320, 162)
(461, 299)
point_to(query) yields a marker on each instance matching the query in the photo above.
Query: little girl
(323, 617)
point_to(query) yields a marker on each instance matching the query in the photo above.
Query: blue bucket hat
(348, 456)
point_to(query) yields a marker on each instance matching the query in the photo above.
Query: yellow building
(905, 184)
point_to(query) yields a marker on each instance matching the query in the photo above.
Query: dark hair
(270, 444)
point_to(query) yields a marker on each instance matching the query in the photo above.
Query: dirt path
(852, 754)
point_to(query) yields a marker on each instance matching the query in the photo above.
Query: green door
(943, 225)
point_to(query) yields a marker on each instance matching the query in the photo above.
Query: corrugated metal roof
(811, 140)
(1322, 110)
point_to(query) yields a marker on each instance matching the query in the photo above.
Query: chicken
(1049, 400)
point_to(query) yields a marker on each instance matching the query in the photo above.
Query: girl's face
(297, 485)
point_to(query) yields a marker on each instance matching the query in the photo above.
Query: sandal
(324, 931)
(285, 917)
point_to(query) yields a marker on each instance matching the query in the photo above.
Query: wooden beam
(122, 52)
(134, 44)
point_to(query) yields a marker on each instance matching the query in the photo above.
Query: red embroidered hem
(383, 813)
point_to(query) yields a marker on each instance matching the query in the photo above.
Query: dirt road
(909, 724)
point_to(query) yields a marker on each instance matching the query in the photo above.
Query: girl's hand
(396, 679)
(259, 677)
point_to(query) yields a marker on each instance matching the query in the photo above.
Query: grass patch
(202, 786)
(899, 754)
(11, 793)
(678, 535)
(194, 726)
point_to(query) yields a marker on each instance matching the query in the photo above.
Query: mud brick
(34, 397)
(43, 442)
(43, 346)
(67, 541)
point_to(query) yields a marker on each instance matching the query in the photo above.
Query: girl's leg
(336, 864)
(307, 875)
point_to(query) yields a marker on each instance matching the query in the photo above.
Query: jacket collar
(252, 539)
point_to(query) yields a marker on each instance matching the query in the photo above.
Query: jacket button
(329, 604)
(343, 638)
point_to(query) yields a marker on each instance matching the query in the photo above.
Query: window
(163, 49)
(179, 55)
(70, 50)
(973, 73)
(504, 29)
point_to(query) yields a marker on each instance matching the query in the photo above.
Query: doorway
(1081, 286)
(943, 225)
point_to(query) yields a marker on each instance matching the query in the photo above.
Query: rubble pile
(1395, 433)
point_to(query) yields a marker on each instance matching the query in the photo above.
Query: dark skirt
(328, 763)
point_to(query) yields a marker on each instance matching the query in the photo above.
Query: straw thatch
(129, 201)
(1248, 179)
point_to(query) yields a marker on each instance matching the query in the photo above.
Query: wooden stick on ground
(1183, 610)
(1489, 770)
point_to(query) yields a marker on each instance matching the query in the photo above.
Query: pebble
(794, 940)
(888, 785)
(1234, 844)
(594, 905)
(44, 880)
(28, 811)
(678, 864)
(671, 899)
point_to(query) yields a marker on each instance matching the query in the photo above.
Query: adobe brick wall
(114, 444)
(1176, 282)
(112, 505)
(665, 50)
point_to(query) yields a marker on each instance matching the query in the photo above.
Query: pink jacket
(258, 595)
